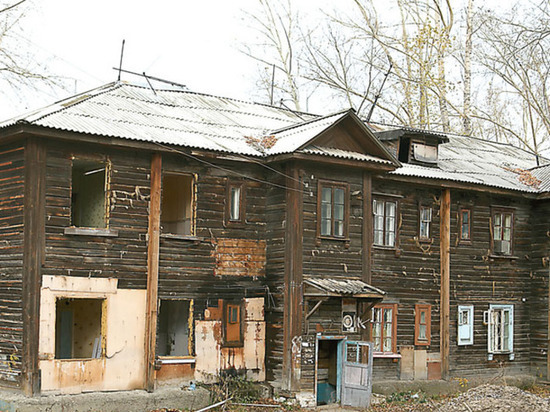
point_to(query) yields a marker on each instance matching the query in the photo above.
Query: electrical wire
(229, 170)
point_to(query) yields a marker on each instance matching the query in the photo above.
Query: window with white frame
(501, 329)
(385, 212)
(465, 325)
(425, 222)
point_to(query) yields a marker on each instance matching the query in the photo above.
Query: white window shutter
(465, 325)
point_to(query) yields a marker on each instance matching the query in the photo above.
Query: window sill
(382, 247)
(188, 238)
(510, 257)
(175, 360)
(90, 231)
(386, 355)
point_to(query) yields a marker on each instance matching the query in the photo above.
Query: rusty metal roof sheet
(343, 286)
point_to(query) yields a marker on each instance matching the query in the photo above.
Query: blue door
(356, 373)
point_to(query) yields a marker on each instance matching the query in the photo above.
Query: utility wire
(229, 170)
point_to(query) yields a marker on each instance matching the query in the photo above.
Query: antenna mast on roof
(377, 95)
(121, 55)
(158, 79)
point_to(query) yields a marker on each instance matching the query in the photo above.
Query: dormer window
(424, 153)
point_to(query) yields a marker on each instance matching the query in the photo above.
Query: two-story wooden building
(149, 237)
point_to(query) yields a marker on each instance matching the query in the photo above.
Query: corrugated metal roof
(469, 160)
(343, 286)
(342, 154)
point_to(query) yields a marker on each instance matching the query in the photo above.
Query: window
(422, 324)
(78, 328)
(502, 232)
(177, 211)
(175, 328)
(501, 329)
(332, 209)
(425, 222)
(232, 324)
(88, 195)
(465, 325)
(384, 328)
(464, 224)
(235, 206)
(384, 224)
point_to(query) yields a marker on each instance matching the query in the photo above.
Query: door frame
(341, 339)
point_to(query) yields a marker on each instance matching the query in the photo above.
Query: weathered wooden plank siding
(12, 176)
(410, 272)
(122, 257)
(540, 278)
(478, 278)
(275, 270)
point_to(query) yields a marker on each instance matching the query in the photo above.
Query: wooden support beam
(292, 319)
(312, 311)
(548, 331)
(367, 228)
(445, 261)
(153, 251)
(33, 257)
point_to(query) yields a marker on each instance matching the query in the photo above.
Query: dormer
(413, 146)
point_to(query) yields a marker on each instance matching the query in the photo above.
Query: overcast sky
(190, 42)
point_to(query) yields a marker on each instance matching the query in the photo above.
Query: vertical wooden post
(33, 256)
(445, 259)
(367, 242)
(548, 332)
(292, 320)
(153, 247)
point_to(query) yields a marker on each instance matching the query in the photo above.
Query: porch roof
(341, 287)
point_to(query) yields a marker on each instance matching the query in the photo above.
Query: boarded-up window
(177, 204)
(175, 322)
(78, 328)
(465, 325)
(422, 324)
(232, 324)
(385, 213)
(88, 194)
(384, 328)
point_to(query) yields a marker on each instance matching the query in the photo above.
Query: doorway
(328, 370)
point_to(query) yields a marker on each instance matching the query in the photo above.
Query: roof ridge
(306, 122)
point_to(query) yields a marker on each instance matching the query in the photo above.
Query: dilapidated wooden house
(149, 237)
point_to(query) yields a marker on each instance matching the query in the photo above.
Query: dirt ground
(484, 398)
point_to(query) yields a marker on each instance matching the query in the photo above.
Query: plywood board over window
(175, 328)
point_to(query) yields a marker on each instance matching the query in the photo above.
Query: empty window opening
(177, 204)
(88, 197)
(404, 150)
(174, 332)
(78, 328)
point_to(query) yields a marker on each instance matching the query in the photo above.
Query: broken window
(465, 325)
(501, 328)
(174, 326)
(332, 209)
(235, 206)
(177, 209)
(502, 232)
(425, 222)
(78, 328)
(232, 324)
(464, 224)
(384, 327)
(89, 194)
(384, 224)
(422, 324)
